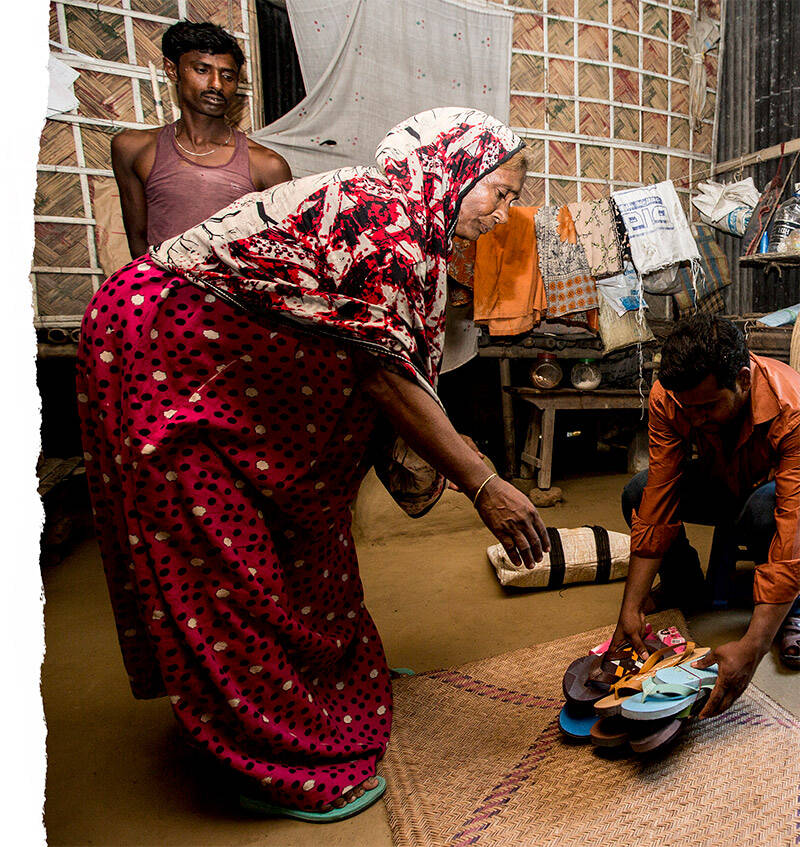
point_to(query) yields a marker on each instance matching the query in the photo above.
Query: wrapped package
(585, 554)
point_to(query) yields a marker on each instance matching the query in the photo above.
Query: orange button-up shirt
(768, 447)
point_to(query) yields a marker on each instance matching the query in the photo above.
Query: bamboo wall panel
(111, 43)
(60, 245)
(610, 77)
(63, 294)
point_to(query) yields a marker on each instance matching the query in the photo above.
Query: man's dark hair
(184, 36)
(700, 346)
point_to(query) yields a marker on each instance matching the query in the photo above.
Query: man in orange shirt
(739, 414)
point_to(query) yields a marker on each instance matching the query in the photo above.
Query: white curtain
(318, 27)
(368, 64)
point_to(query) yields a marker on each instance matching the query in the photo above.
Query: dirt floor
(117, 773)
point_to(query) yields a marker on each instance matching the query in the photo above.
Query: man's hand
(737, 662)
(630, 627)
(631, 624)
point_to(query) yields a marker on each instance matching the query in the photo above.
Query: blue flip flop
(262, 807)
(577, 727)
(685, 674)
(663, 699)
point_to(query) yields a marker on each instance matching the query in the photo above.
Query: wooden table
(538, 449)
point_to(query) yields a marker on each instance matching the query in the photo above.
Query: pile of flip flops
(614, 698)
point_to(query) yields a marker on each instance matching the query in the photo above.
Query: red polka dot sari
(226, 438)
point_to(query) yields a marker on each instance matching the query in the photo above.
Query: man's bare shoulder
(131, 143)
(269, 166)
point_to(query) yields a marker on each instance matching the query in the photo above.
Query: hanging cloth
(597, 234)
(703, 36)
(509, 291)
(568, 284)
(461, 272)
(442, 51)
(716, 276)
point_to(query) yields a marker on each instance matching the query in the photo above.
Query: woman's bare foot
(353, 794)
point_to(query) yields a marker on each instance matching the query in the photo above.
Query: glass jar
(546, 372)
(585, 375)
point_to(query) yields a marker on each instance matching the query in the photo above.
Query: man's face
(710, 407)
(488, 202)
(206, 82)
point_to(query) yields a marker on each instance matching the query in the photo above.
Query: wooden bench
(538, 449)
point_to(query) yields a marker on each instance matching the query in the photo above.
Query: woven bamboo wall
(111, 44)
(599, 89)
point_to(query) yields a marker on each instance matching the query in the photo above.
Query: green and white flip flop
(262, 807)
(395, 672)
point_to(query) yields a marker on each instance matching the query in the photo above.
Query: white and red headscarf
(360, 253)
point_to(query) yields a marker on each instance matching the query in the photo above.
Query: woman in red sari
(233, 384)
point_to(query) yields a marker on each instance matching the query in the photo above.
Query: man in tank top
(171, 178)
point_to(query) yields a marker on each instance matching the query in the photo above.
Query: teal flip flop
(401, 672)
(662, 699)
(685, 674)
(262, 807)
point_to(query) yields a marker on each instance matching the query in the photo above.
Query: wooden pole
(509, 439)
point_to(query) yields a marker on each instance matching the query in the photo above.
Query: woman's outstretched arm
(416, 416)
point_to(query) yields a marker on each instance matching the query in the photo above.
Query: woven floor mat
(476, 757)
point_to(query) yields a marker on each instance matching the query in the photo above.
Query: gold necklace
(209, 152)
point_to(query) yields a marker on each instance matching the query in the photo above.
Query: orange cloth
(509, 291)
(768, 446)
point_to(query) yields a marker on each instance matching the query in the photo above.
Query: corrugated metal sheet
(759, 107)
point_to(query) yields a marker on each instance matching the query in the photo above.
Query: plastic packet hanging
(727, 207)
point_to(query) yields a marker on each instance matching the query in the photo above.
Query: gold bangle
(480, 488)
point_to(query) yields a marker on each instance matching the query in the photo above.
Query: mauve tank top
(180, 192)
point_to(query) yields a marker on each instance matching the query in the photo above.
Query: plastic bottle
(546, 372)
(781, 317)
(787, 220)
(585, 375)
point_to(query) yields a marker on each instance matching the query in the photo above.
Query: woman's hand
(475, 449)
(514, 521)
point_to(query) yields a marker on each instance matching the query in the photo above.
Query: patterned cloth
(568, 284)
(622, 233)
(461, 272)
(222, 456)
(597, 234)
(359, 252)
(225, 445)
(716, 276)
